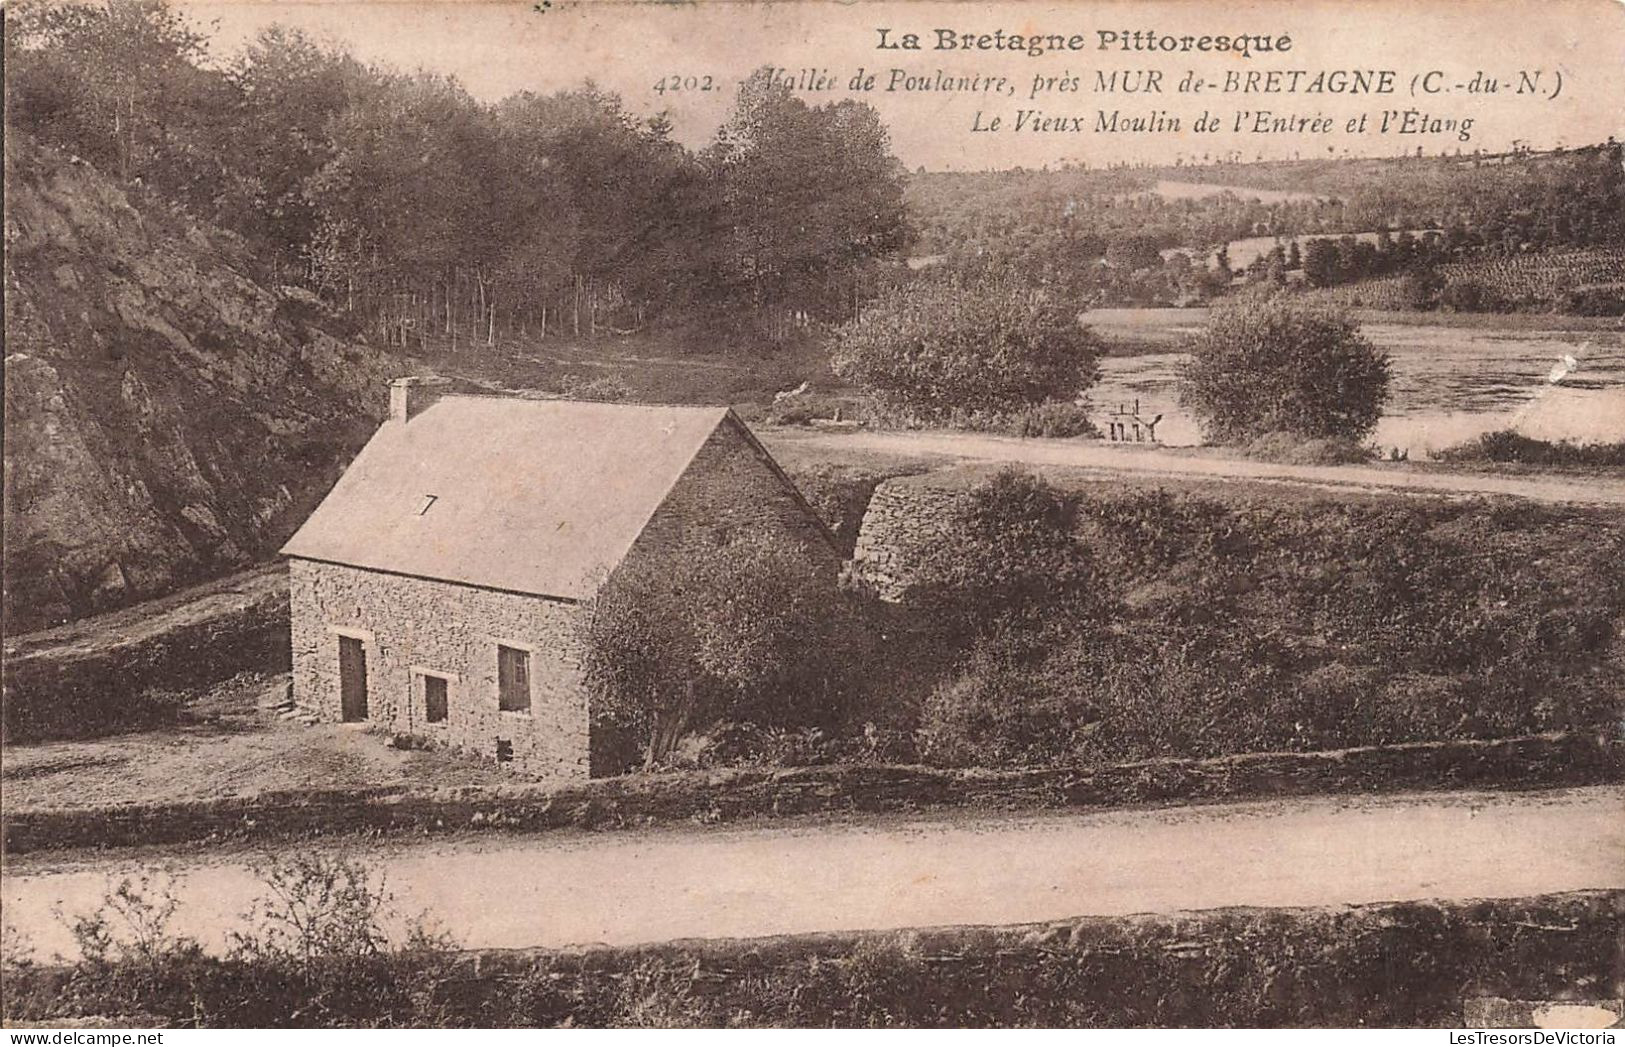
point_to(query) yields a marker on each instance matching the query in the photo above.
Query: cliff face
(168, 417)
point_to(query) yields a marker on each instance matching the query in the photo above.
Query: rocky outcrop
(169, 416)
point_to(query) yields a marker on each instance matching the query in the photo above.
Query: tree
(745, 629)
(809, 195)
(290, 89)
(931, 351)
(1320, 263)
(1267, 364)
(1133, 253)
(123, 85)
(401, 195)
(1419, 287)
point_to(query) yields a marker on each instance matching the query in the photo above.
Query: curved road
(1095, 454)
(644, 886)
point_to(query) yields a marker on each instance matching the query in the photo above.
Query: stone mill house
(435, 591)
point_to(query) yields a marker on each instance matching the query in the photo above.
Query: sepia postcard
(812, 514)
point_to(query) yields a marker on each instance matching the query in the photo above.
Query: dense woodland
(425, 214)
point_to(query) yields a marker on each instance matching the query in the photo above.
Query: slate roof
(533, 496)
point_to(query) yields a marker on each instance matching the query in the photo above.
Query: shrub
(1470, 296)
(1292, 449)
(1420, 288)
(1508, 445)
(1244, 628)
(1407, 964)
(608, 388)
(809, 407)
(131, 926)
(1014, 563)
(742, 630)
(318, 907)
(1006, 704)
(1596, 301)
(1267, 364)
(1057, 418)
(930, 350)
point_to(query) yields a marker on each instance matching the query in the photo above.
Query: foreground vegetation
(320, 951)
(1087, 626)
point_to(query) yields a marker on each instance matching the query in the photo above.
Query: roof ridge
(519, 396)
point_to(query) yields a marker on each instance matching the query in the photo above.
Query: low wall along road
(648, 886)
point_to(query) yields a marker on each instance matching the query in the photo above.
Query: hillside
(168, 416)
(1151, 236)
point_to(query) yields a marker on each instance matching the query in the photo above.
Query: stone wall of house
(906, 513)
(412, 626)
(732, 487)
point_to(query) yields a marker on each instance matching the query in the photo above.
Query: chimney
(409, 396)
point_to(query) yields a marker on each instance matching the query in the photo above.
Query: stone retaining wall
(903, 514)
(718, 796)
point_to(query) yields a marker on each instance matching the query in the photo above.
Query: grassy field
(1169, 189)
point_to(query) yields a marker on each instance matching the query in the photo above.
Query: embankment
(111, 672)
(737, 794)
(1411, 964)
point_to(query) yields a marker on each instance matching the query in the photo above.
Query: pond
(1450, 385)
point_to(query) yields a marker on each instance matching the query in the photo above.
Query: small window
(434, 698)
(513, 680)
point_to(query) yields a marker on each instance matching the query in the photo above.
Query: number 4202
(683, 83)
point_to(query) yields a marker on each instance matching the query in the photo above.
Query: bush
(1405, 964)
(1292, 449)
(1420, 288)
(809, 407)
(1267, 364)
(322, 948)
(929, 351)
(1470, 296)
(1508, 445)
(1014, 563)
(1005, 704)
(745, 630)
(1596, 301)
(1057, 418)
(607, 388)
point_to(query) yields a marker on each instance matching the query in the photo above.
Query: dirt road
(1578, 490)
(630, 887)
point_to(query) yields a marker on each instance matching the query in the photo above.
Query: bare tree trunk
(451, 313)
(668, 729)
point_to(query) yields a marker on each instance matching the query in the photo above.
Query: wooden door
(352, 679)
